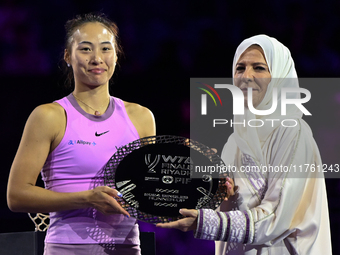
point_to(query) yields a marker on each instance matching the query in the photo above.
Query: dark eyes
(260, 68)
(85, 49)
(257, 68)
(89, 49)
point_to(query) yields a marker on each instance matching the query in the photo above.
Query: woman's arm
(190, 221)
(43, 131)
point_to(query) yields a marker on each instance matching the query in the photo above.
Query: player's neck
(94, 101)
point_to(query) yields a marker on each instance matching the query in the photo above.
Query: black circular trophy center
(159, 175)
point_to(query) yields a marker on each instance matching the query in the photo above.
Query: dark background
(165, 43)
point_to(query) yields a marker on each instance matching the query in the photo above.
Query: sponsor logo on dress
(81, 142)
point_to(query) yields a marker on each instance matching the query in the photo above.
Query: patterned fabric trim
(255, 177)
(238, 227)
(250, 227)
(208, 224)
(199, 228)
(221, 227)
(225, 226)
(246, 238)
(232, 226)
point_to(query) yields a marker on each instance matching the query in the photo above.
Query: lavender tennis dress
(77, 164)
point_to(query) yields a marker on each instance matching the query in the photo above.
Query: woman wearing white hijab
(272, 212)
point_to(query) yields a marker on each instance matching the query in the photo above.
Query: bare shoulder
(51, 108)
(48, 113)
(136, 109)
(142, 118)
(47, 120)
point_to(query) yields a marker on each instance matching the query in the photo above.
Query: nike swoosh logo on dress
(101, 133)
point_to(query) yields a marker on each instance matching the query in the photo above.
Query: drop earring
(68, 65)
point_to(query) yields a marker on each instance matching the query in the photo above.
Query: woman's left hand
(186, 224)
(229, 187)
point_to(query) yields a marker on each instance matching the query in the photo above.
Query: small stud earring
(68, 65)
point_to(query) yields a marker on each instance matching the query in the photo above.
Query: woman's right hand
(102, 198)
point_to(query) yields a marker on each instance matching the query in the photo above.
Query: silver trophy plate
(158, 175)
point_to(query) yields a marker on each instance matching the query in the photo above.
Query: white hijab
(282, 70)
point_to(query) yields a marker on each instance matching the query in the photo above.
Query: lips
(246, 89)
(97, 70)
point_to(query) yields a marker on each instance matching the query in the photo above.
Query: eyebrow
(86, 42)
(256, 63)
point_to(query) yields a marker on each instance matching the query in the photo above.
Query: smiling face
(92, 55)
(252, 71)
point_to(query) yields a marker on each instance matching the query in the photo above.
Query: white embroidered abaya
(279, 212)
